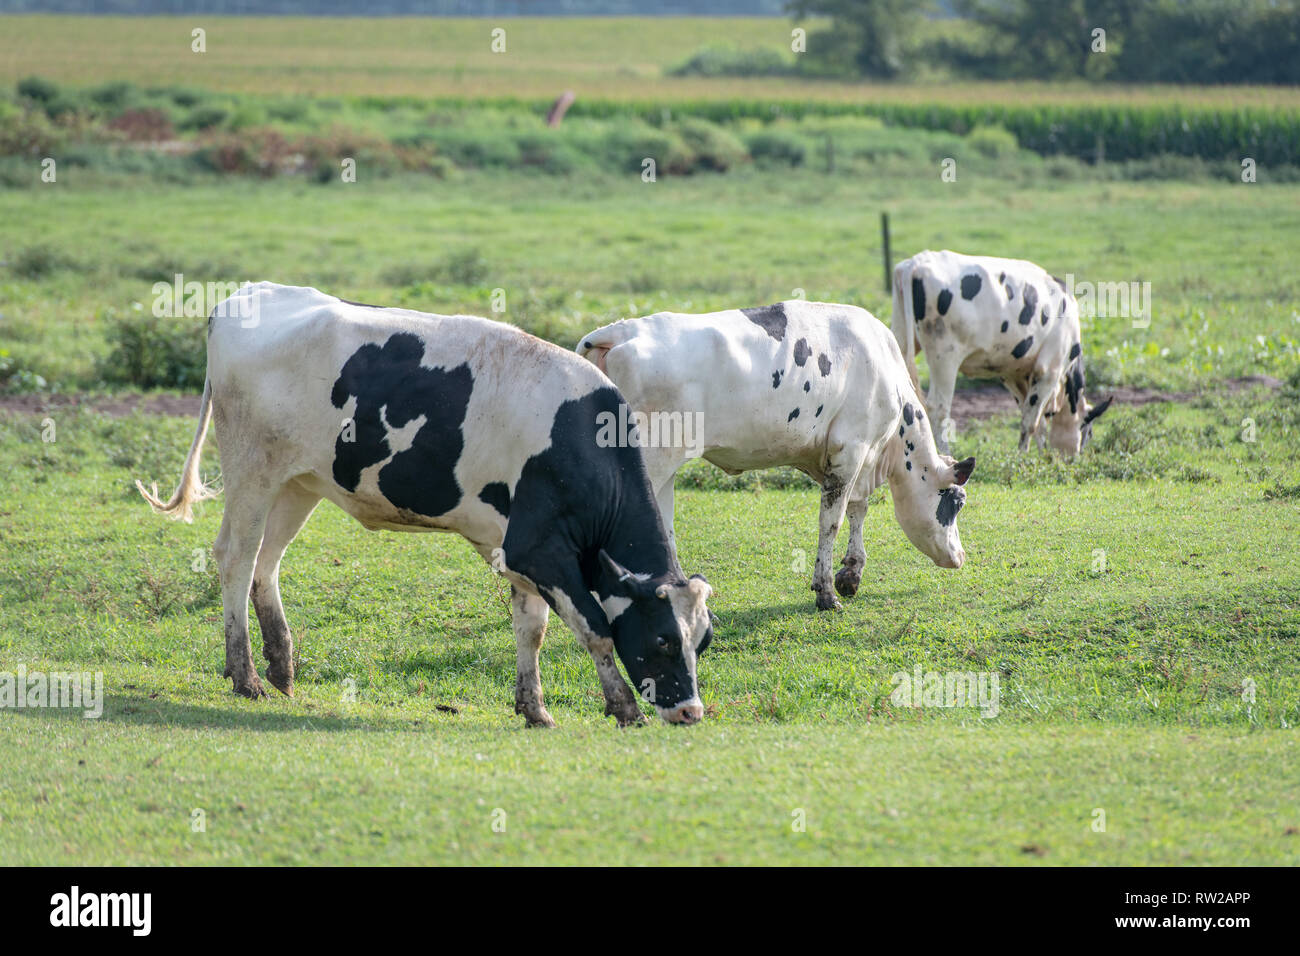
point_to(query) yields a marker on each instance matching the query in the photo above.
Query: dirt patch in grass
(979, 402)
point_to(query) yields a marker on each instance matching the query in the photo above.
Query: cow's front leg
(578, 609)
(849, 575)
(528, 615)
(834, 500)
(620, 702)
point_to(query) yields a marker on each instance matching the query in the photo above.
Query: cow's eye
(663, 643)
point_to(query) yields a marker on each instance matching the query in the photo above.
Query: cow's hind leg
(849, 575)
(292, 507)
(528, 615)
(841, 475)
(236, 549)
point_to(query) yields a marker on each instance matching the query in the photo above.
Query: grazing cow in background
(415, 422)
(996, 318)
(816, 386)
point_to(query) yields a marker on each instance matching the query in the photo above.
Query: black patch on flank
(776, 378)
(1022, 347)
(422, 478)
(949, 504)
(770, 318)
(909, 466)
(900, 431)
(1011, 292)
(1075, 351)
(1058, 281)
(496, 494)
(1044, 315)
(1033, 398)
(945, 300)
(918, 299)
(801, 352)
(920, 415)
(1030, 306)
(793, 415)
(908, 413)
(970, 286)
(1004, 326)
(1002, 278)
(819, 410)
(1062, 307)
(823, 364)
(807, 386)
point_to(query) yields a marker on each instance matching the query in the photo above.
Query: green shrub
(777, 147)
(713, 147)
(39, 89)
(729, 61)
(203, 117)
(995, 142)
(38, 261)
(146, 351)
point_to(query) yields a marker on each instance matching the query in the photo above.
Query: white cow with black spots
(815, 386)
(416, 422)
(996, 318)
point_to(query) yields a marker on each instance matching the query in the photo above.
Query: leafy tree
(866, 36)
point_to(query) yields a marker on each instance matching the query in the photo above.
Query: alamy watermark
(633, 429)
(922, 688)
(1122, 300)
(23, 690)
(180, 299)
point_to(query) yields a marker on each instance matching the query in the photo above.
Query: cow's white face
(1069, 432)
(928, 494)
(660, 627)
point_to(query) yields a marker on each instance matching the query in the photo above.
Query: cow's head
(661, 625)
(927, 490)
(1071, 427)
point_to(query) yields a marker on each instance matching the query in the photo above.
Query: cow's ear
(962, 470)
(621, 581)
(1096, 411)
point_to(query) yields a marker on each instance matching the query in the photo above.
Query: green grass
(1121, 689)
(620, 58)
(1218, 256)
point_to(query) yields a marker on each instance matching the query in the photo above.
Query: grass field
(1139, 608)
(1121, 689)
(619, 58)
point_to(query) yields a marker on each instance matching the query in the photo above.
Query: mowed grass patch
(125, 789)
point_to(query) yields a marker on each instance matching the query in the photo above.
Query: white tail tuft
(191, 490)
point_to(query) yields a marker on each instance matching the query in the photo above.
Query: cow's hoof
(847, 581)
(281, 679)
(631, 720)
(539, 719)
(251, 688)
(828, 602)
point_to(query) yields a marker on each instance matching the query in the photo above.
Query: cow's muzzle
(687, 712)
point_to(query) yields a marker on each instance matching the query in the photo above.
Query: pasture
(1140, 608)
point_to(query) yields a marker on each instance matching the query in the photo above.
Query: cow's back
(773, 384)
(403, 418)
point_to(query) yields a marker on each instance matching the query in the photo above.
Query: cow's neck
(633, 535)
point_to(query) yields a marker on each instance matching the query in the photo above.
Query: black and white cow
(816, 386)
(416, 422)
(996, 318)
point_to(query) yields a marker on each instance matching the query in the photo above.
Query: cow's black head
(661, 625)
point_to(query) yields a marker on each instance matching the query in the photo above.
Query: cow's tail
(595, 345)
(902, 324)
(191, 490)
